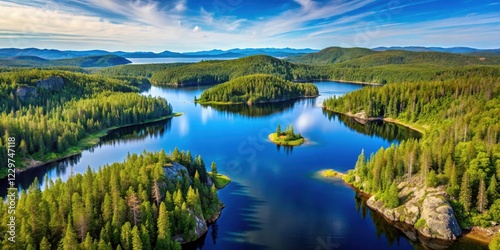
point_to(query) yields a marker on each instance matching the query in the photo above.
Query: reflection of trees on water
(261, 109)
(387, 130)
(136, 133)
(127, 134)
(288, 149)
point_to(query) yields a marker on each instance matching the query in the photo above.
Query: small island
(287, 137)
(330, 173)
(257, 88)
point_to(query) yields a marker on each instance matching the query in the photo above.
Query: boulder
(428, 204)
(175, 171)
(440, 220)
(25, 92)
(51, 83)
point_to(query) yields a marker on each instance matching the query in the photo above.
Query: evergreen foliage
(256, 89)
(460, 116)
(56, 120)
(115, 207)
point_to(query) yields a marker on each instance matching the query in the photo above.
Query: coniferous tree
(482, 197)
(465, 197)
(492, 189)
(214, 168)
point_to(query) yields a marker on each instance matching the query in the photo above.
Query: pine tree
(88, 242)
(482, 197)
(126, 236)
(136, 239)
(45, 245)
(465, 193)
(278, 130)
(69, 242)
(163, 237)
(492, 189)
(214, 168)
(23, 148)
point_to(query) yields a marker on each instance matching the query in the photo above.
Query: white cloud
(145, 25)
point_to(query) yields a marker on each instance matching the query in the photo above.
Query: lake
(274, 201)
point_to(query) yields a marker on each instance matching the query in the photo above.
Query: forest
(87, 61)
(257, 88)
(352, 64)
(57, 116)
(459, 149)
(362, 57)
(127, 205)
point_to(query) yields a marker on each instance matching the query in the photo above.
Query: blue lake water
(274, 200)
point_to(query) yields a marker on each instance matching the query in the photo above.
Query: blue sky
(191, 25)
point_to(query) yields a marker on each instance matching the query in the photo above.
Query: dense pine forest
(53, 113)
(354, 64)
(257, 88)
(460, 147)
(135, 204)
(88, 61)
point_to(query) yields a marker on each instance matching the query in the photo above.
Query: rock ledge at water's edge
(427, 206)
(175, 171)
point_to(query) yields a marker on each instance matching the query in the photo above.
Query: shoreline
(250, 104)
(421, 130)
(342, 81)
(291, 143)
(296, 81)
(478, 234)
(87, 142)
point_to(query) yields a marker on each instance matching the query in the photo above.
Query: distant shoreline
(88, 141)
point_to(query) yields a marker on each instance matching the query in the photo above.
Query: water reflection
(136, 133)
(256, 110)
(390, 131)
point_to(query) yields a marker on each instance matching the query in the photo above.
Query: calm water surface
(274, 200)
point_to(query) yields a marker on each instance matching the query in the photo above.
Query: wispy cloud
(177, 25)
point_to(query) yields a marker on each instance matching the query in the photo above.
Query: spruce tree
(214, 168)
(482, 197)
(492, 189)
(465, 193)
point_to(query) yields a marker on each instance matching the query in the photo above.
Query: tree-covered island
(287, 137)
(257, 88)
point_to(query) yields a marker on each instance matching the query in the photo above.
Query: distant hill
(359, 57)
(84, 62)
(458, 50)
(331, 55)
(51, 54)
(218, 71)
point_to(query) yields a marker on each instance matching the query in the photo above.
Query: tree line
(128, 205)
(257, 88)
(56, 120)
(460, 147)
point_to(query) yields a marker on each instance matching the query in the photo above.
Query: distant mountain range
(456, 50)
(361, 57)
(83, 61)
(52, 54)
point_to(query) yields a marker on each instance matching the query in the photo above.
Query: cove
(274, 201)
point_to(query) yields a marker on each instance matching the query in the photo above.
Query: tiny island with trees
(287, 137)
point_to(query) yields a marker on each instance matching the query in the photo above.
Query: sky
(193, 25)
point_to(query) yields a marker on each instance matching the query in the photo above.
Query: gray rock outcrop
(425, 205)
(175, 171)
(51, 83)
(25, 92)
(439, 218)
